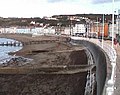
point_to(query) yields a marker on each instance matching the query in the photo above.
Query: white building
(49, 30)
(66, 31)
(61, 30)
(8, 30)
(79, 29)
(115, 30)
(43, 31)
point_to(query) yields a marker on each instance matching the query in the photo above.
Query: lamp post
(71, 26)
(97, 29)
(103, 31)
(112, 23)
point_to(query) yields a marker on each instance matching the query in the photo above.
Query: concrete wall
(100, 62)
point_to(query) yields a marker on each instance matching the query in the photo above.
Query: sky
(41, 8)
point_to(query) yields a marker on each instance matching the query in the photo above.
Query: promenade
(117, 82)
(112, 86)
(117, 71)
(117, 76)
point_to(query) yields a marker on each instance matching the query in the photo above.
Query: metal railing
(109, 86)
(90, 83)
(89, 89)
(111, 52)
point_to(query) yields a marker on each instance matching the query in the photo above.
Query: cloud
(54, 1)
(102, 1)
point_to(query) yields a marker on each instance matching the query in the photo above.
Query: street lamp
(112, 23)
(97, 29)
(71, 26)
(103, 31)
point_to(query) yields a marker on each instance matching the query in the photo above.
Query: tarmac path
(117, 82)
(117, 79)
(116, 90)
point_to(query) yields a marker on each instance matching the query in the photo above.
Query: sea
(4, 50)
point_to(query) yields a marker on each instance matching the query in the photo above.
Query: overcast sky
(40, 8)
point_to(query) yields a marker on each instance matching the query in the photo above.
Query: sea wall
(100, 60)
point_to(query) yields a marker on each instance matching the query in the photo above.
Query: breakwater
(11, 43)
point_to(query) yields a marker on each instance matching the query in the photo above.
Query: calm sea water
(4, 50)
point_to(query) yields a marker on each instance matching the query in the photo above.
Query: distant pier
(11, 43)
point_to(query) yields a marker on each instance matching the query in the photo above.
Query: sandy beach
(48, 72)
(47, 50)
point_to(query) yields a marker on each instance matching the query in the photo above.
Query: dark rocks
(16, 61)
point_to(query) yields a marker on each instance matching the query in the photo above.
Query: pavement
(117, 82)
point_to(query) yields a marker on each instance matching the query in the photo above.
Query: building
(59, 29)
(79, 29)
(8, 30)
(97, 29)
(49, 30)
(115, 30)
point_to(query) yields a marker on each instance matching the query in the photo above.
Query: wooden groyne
(11, 43)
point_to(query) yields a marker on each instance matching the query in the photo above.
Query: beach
(48, 50)
(52, 71)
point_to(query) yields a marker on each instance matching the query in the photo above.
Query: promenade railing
(111, 52)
